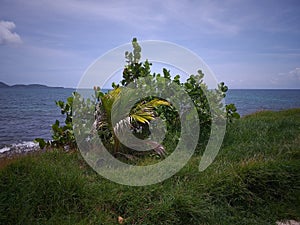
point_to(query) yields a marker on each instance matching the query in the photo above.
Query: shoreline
(22, 148)
(25, 147)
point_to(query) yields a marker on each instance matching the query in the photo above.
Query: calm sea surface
(250, 101)
(27, 113)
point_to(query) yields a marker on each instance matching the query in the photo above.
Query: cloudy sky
(247, 44)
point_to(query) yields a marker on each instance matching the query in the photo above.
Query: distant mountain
(3, 85)
(29, 85)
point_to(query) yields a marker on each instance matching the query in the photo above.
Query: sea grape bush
(63, 134)
(100, 107)
(194, 86)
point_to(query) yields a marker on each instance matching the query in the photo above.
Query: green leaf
(41, 142)
(236, 115)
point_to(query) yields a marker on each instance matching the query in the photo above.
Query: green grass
(255, 179)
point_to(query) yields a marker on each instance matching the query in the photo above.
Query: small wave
(5, 149)
(22, 147)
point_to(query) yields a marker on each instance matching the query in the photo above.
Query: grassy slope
(254, 180)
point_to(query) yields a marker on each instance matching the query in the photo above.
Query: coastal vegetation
(145, 110)
(255, 179)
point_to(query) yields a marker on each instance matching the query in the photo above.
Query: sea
(27, 113)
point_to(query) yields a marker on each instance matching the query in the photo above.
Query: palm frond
(142, 113)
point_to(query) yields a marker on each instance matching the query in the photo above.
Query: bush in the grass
(144, 111)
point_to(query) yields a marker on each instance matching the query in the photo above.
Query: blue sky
(247, 44)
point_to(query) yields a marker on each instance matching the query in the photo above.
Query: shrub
(144, 111)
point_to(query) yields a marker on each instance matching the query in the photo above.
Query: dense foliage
(144, 111)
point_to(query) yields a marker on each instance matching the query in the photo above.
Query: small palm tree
(137, 119)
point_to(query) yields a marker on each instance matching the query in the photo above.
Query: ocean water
(251, 100)
(28, 113)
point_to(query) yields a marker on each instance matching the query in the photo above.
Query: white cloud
(295, 74)
(289, 79)
(7, 36)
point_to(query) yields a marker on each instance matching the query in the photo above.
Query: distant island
(4, 85)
